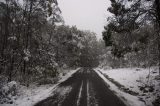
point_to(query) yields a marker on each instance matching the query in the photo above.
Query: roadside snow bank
(128, 99)
(68, 73)
(144, 82)
(33, 94)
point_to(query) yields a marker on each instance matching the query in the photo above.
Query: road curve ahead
(84, 88)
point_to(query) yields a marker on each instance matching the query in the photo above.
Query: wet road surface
(84, 88)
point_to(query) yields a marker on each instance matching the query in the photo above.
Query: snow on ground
(68, 74)
(135, 79)
(33, 94)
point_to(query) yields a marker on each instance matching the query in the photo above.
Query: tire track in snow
(88, 93)
(80, 94)
(92, 96)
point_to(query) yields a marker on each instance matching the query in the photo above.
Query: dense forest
(34, 42)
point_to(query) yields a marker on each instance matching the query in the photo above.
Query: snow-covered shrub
(12, 38)
(138, 69)
(107, 67)
(157, 77)
(7, 92)
(3, 81)
(44, 81)
(157, 102)
(146, 88)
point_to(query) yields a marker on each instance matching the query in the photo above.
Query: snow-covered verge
(65, 74)
(28, 96)
(139, 87)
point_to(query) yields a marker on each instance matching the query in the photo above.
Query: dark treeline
(34, 43)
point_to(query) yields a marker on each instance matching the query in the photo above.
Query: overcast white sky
(85, 14)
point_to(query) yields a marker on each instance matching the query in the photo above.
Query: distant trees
(132, 33)
(66, 45)
(75, 47)
(89, 54)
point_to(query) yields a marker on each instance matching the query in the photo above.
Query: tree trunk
(27, 44)
(159, 54)
(11, 68)
(5, 38)
(157, 5)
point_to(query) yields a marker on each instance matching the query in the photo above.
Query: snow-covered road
(84, 88)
